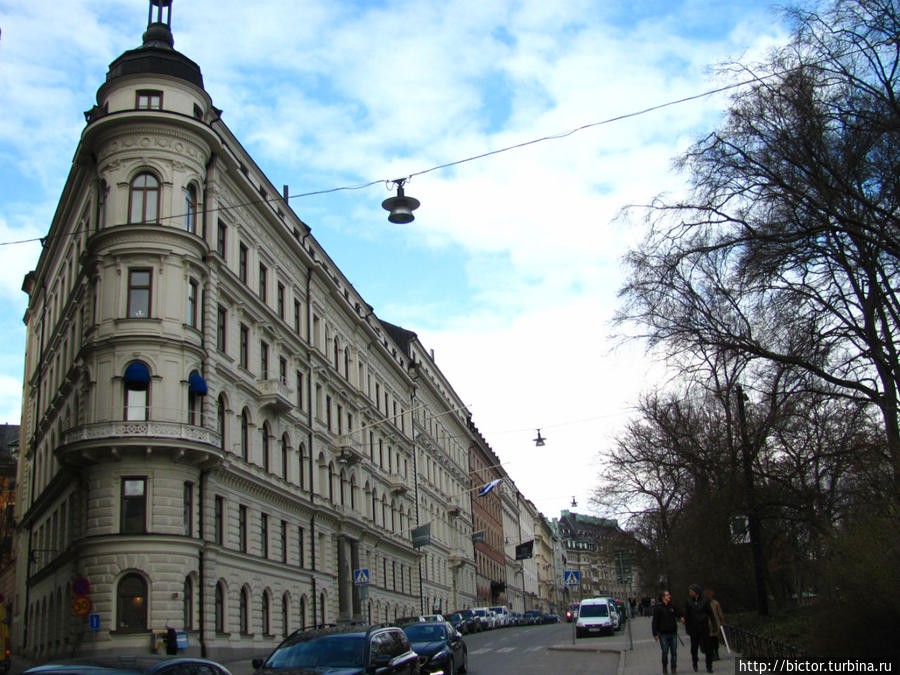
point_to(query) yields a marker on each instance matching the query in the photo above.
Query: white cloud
(324, 94)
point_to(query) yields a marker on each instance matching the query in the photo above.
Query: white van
(594, 618)
(504, 618)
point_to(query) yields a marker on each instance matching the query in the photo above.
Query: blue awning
(137, 376)
(196, 384)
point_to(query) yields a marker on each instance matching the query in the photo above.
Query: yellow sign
(81, 606)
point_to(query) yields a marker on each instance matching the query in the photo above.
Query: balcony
(396, 484)
(107, 440)
(275, 395)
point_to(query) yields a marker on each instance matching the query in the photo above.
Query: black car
(129, 665)
(551, 618)
(533, 617)
(351, 649)
(440, 647)
(461, 623)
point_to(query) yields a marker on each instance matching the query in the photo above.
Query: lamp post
(759, 563)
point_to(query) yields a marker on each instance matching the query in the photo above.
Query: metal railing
(749, 644)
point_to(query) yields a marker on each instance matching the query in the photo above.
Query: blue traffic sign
(572, 577)
(361, 577)
(94, 621)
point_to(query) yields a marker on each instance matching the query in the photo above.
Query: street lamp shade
(401, 206)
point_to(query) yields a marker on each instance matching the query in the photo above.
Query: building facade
(218, 434)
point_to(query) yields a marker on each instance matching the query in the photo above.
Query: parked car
(614, 613)
(533, 617)
(403, 620)
(147, 664)
(503, 615)
(441, 648)
(551, 618)
(484, 617)
(433, 617)
(595, 617)
(462, 623)
(351, 649)
(517, 618)
(572, 612)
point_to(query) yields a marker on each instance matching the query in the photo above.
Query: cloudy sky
(511, 268)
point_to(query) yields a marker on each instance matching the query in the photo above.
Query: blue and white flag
(488, 487)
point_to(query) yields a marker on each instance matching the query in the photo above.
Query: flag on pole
(487, 487)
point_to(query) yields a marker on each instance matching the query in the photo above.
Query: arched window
(331, 482)
(196, 391)
(322, 606)
(188, 604)
(266, 617)
(137, 390)
(190, 209)
(303, 613)
(244, 612)
(131, 604)
(337, 352)
(143, 199)
(285, 614)
(301, 465)
(264, 438)
(220, 608)
(284, 456)
(245, 435)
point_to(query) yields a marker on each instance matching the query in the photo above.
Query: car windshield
(424, 632)
(594, 610)
(344, 651)
(479, 612)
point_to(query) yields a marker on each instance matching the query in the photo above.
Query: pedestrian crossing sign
(572, 578)
(361, 577)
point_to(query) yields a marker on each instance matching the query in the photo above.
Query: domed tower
(115, 394)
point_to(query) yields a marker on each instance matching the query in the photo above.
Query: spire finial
(159, 29)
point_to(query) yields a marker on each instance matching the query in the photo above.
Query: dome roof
(157, 55)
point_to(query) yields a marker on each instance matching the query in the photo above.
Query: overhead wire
(422, 172)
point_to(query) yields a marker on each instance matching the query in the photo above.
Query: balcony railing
(276, 394)
(142, 429)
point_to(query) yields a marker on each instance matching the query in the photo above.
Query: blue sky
(511, 268)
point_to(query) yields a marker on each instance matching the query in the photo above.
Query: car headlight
(441, 656)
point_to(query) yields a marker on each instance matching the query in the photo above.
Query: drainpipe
(201, 577)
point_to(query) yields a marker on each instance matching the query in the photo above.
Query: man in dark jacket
(697, 615)
(665, 630)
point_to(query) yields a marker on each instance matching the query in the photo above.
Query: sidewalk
(645, 657)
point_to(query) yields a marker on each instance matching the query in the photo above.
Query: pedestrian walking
(665, 630)
(697, 615)
(714, 625)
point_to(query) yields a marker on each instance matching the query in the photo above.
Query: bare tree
(786, 250)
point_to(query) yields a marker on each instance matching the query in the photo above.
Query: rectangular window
(139, 293)
(264, 360)
(300, 390)
(282, 370)
(243, 359)
(135, 404)
(281, 301)
(149, 100)
(242, 528)
(328, 412)
(189, 509)
(221, 327)
(242, 263)
(263, 283)
(219, 525)
(264, 535)
(193, 288)
(221, 234)
(134, 506)
(297, 317)
(284, 542)
(301, 560)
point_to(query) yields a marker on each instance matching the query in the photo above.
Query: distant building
(9, 446)
(601, 552)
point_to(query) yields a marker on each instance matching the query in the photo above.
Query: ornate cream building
(218, 434)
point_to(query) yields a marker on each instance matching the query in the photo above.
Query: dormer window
(148, 99)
